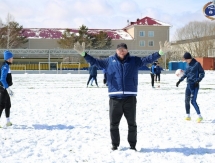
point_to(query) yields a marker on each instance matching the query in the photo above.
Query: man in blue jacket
(194, 74)
(122, 80)
(5, 83)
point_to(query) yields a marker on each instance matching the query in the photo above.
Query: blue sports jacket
(6, 78)
(93, 70)
(158, 70)
(153, 69)
(122, 76)
(194, 72)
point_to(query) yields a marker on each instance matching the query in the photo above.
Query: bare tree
(11, 34)
(195, 37)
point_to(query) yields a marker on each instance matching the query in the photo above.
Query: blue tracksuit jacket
(122, 76)
(93, 70)
(6, 78)
(194, 72)
(158, 70)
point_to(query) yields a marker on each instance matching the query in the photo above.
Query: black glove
(104, 81)
(178, 83)
(196, 84)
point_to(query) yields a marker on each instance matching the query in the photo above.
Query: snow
(57, 119)
(124, 35)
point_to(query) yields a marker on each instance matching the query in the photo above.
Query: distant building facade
(143, 34)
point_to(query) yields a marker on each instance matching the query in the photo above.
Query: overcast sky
(100, 14)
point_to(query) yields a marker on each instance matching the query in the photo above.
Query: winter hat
(122, 45)
(7, 55)
(187, 55)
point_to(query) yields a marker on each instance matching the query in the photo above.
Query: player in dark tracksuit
(157, 73)
(194, 74)
(152, 74)
(5, 83)
(93, 74)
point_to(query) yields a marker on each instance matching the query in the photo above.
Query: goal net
(70, 66)
(48, 66)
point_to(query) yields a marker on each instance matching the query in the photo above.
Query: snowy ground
(57, 119)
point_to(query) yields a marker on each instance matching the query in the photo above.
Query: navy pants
(191, 96)
(157, 76)
(118, 107)
(152, 79)
(92, 77)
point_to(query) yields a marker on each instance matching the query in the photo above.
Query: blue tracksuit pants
(191, 96)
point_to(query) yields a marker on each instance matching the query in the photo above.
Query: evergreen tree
(92, 41)
(101, 41)
(67, 40)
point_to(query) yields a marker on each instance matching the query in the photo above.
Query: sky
(57, 119)
(100, 14)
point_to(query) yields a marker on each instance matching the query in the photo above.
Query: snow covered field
(57, 119)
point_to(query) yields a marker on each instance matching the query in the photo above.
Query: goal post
(48, 66)
(70, 66)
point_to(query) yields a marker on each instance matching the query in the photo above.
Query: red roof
(148, 21)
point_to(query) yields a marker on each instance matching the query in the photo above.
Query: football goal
(48, 66)
(70, 66)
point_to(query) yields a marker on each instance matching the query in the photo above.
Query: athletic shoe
(133, 148)
(188, 118)
(8, 124)
(114, 148)
(199, 119)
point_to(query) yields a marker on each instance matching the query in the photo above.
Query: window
(151, 43)
(150, 33)
(142, 43)
(142, 33)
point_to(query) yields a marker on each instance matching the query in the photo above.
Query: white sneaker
(8, 124)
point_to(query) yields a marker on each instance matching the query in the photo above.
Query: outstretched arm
(101, 63)
(153, 57)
